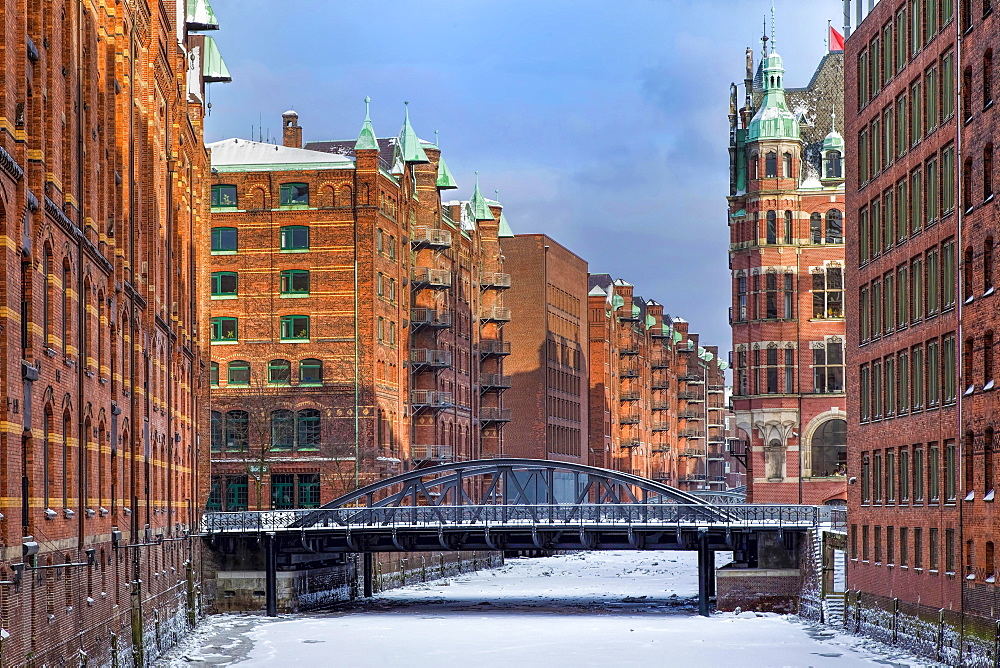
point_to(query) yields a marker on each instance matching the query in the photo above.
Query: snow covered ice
(579, 609)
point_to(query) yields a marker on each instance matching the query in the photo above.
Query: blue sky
(603, 124)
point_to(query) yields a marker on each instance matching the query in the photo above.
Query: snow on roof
(246, 153)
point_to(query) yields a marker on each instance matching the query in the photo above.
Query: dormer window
(833, 166)
(771, 164)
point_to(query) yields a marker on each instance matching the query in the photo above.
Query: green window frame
(294, 328)
(295, 282)
(224, 196)
(311, 372)
(294, 237)
(279, 372)
(225, 329)
(309, 429)
(238, 373)
(237, 431)
(282, 429)
(236, 493)
(217, 432)
(225, 284)
(225, 240)
(308, 492)
(214, 374)
(294, 194)
(282, 491)
(214, 503)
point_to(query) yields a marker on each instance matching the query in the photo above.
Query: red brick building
(548, 362)
(786, 206)
(357, 321)
(921, 88)
(655, 394)
(103, 204)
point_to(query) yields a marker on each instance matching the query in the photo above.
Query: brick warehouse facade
(656, 396)
(357, 320)
(103, 215)
(548, 361)
(786, 205)
(921, 359)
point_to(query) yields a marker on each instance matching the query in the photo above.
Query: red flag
(836, 40)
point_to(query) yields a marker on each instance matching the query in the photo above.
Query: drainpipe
(959, 197)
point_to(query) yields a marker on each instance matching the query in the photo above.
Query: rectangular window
(878, 545)
(866, 479)
(932, 550)
(916, 113)
(294, 194)
(917, 377)
(223, 196)
(902, 212)
(865, 542)
(772, 370)
(864, 321)
(933, 282)
(294, 237)
(828, 293)
(771, 296)
(295, 327)
(948, 369)
(903, 385)
(904, 546)
(948, 180)
(224, 283)
(295, 282)
(890, 476)
(918, 474)
(282, 491)
(933, 374)
(918, 547)
(224, 329)
(224, 240)
(877, 491)
(854, 541)
(891, 218)
(889, 287)
(902, 298)
(878, 306)
(933, 193)
(931, 106)
(828, 368)
(890, 545)
(934, 473)
(741, 299)
(865, 398)
(890, 386)
(904, 474)
(789, 370)
(789, 305)
(864, 234)
(916, 201)
(917, 289)
(949, 550)
(948, 85)
(308, 491)
(950, 471)
(948, 282)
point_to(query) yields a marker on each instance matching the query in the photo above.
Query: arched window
(47, 336)
(988, 359)
(967, 274)
(237, 431)
(834, 168)
(829, 449)
(786, 161)
(788, 227)
(967, 94)
(816, 228)
(279, 371)
(988, 172)
(988, 78)
(282, 429)
(311, 371)
(309, 430)
(217, 431)
(214, 377)
(834, 227)
(988, 265)
(967, 184)
(48, 474)
(67, 458)
(771, 164)
(239, 372)
(772, 227)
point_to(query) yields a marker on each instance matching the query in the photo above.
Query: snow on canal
(580, 609)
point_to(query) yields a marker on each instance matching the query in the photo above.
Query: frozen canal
(581, 609)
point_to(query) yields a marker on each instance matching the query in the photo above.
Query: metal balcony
(491, 382)
(663, 477)
(428, 317)
(430, 399)
(430, 453)
(425, 277)
(629, 396)
(691, 415)
(661, 426)
(716, 454)
(494, 347)
(693, 477)
(429, 237)
(661, 406)
(629, 419)
(658, 333)
(691, 433)
(660, 448)
(692, 452)
(717, 389)
(630, 443)
(628, 352)
(628, 373)
(691, 396)
(661, 384)
(436, 359)
(490, 414)
(494, 281)
(662, 363)
(692, 378)
(494, 314)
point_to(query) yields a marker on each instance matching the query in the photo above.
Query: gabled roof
(345, 147)
(242, 155)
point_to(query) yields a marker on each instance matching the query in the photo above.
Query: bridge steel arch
(506, 481)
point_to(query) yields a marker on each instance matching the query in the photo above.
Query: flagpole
(829, 25)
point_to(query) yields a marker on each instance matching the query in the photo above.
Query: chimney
(291, 133)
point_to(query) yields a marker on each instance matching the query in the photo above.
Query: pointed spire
(408, 145)
(445, 180)
(504, 230)
(480, 209)
(774, 42)
(367, 141)
(833, 118)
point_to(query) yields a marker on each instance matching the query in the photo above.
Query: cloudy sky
(603, 124)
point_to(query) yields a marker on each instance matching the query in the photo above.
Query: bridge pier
(270, 576)
(369, 574)
(706, 564)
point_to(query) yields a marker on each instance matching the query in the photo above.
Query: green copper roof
(367, 141)
(677, 337)
(200, 16)
(723, 365)
(773, 120)
(505, 230)
(617, 301)
(445, 180)
(480, 209)
(650, 321)
(213, 67)
(408, 145)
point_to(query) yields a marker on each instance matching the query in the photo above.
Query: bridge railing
(582, 515)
